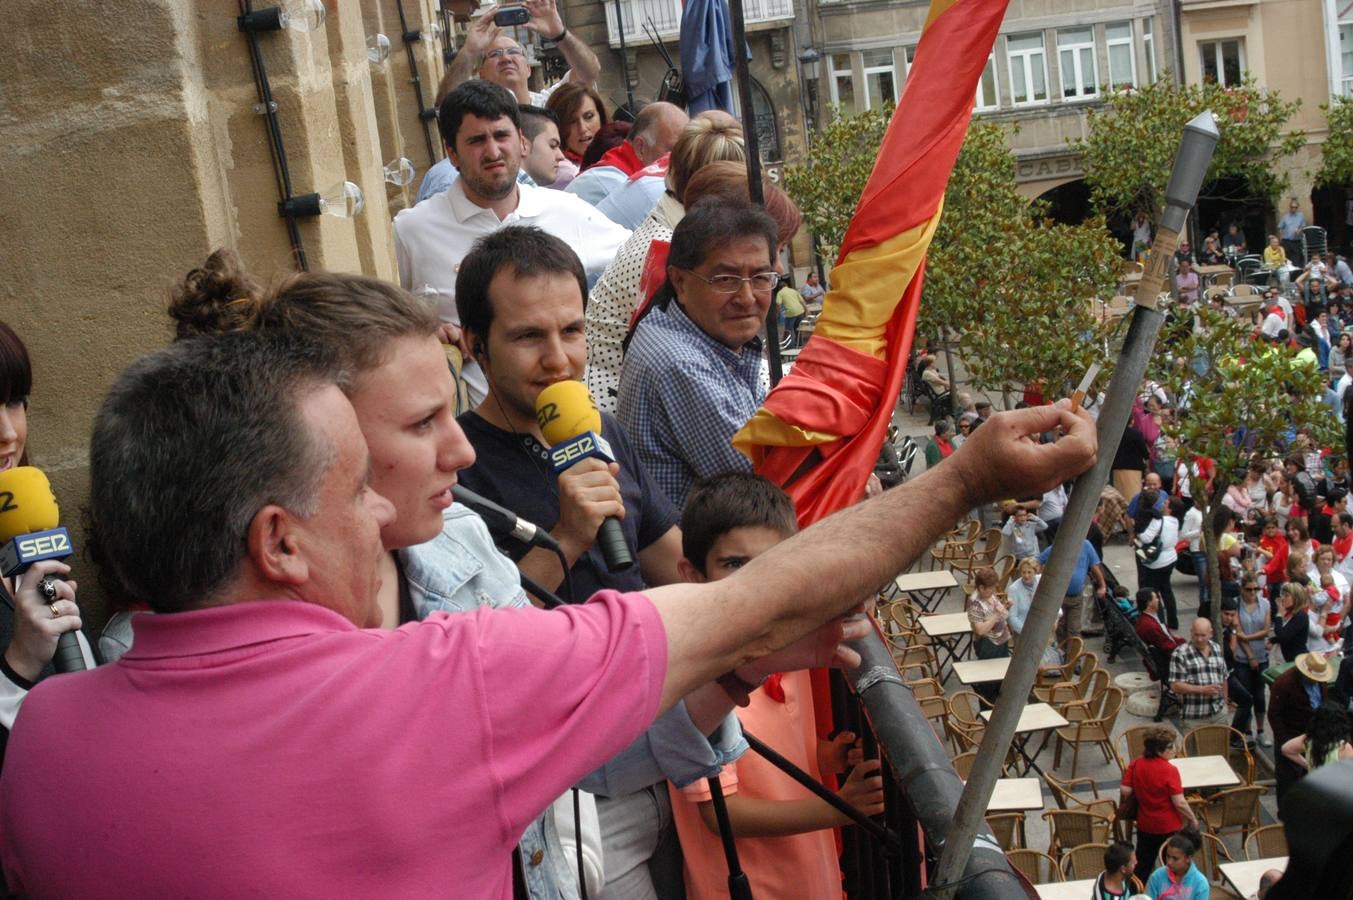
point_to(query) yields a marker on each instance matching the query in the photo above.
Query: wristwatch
(563, 34)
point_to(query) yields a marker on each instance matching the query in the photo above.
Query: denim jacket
(461, 570)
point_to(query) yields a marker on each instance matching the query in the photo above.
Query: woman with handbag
(1156, 553)
(1153, 795)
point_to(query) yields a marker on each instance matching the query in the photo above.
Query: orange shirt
(800, 865)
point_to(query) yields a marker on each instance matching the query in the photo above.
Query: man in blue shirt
(1289, 229)
(693, 374)
(1087, 566)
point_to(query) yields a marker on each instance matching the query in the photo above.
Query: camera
(511, 15)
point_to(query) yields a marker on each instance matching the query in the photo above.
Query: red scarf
(623, 157)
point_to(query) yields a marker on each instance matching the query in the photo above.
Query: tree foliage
(1133, 139)
(1244, 399)
(1336, 164)
(1016, 288)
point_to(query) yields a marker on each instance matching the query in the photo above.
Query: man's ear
(678, 277)
(452, 155)
(274, 546)
(689, 572)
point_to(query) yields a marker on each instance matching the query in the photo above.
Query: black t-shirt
(514, 470)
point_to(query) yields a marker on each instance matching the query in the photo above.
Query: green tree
(1244, 400)
(1016, 289)
(1336, 154)
(1133, 139)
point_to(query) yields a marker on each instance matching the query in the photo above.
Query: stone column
(132, 150)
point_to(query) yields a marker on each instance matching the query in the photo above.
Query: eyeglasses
(504, 51)
(761, 282)
(1250, 590)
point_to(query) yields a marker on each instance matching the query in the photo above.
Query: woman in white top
(1157, 571)
(1191, 530)
(1255, 485)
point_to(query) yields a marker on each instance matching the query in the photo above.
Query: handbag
(1148, 552)
(1127, 807)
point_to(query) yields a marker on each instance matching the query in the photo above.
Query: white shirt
(1191, 529)
(433, 237)
(1168, 529)
(1053, 505)
(1273, 323)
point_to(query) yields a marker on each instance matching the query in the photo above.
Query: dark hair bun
(218, 297)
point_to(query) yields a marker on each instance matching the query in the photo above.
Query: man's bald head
(656, 130)
(1201, 633)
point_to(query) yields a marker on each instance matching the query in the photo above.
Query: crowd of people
(319, 661)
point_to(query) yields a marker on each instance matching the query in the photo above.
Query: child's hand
(840, 753)
(864, 789)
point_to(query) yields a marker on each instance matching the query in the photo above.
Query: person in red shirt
(1161, 808)
(1273, 554)
(1343, 537)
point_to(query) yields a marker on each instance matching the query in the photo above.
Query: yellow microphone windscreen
(565, 410)
(27, 503)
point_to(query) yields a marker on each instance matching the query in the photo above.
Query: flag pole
(1190, 166)
(749, 137)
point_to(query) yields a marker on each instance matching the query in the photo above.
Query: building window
(1222, 61)
(1076, 59)
(1122, 67)
(1028, 68)
(842, 82)
(767, 127)
(1149, 49)
(880, 79)
(988, 91)
(1346, 50)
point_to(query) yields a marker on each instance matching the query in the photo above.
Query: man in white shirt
(494, 56)
(480, 124)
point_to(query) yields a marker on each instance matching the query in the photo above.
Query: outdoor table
(1205, 772)
(1016, 795)
(981, 671)
(1034, 718)
(1272, 672)
(1244, 876)
(1066, 890)
(1207, 273)
(1248, 306)
(952, 632)
(928, 588)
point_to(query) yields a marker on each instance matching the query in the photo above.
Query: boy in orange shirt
(784, 834)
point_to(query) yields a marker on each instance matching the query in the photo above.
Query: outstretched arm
(826, 570)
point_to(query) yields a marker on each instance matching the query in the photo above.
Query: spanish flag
(819, 432)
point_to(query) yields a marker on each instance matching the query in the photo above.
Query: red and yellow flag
(819, 432)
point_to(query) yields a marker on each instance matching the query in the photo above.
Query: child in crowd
(1179, 878)
(1117, 882)
(1023, 528)
(784, 834)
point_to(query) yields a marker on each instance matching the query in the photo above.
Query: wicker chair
(915, 657)
(1038, 867)
(966, 706)
(963, 763)
(1265, 842)
(1071, 686)
(1234, 808)
(962, 737)
(1084, 861)
(1096, 727)
(1008, 829)
(1215, 740)
(1073, 827)
(1208, 859)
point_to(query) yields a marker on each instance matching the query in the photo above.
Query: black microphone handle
(614, 549)
(68, 657)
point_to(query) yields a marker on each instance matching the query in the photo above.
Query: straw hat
(1315, 667)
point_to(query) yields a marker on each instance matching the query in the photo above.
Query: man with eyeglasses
(694, 374)
(491, 52)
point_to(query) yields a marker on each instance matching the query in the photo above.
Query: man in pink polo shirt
(262, 737)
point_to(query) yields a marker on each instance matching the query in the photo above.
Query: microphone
(30, 533)
(504, 522)
(571, 425)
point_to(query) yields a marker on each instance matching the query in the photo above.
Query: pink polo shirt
(273, 748)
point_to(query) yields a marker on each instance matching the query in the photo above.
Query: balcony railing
(665, 17)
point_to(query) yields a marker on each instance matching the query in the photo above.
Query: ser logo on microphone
(44, 545)
(587, 444)
(546, 414)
